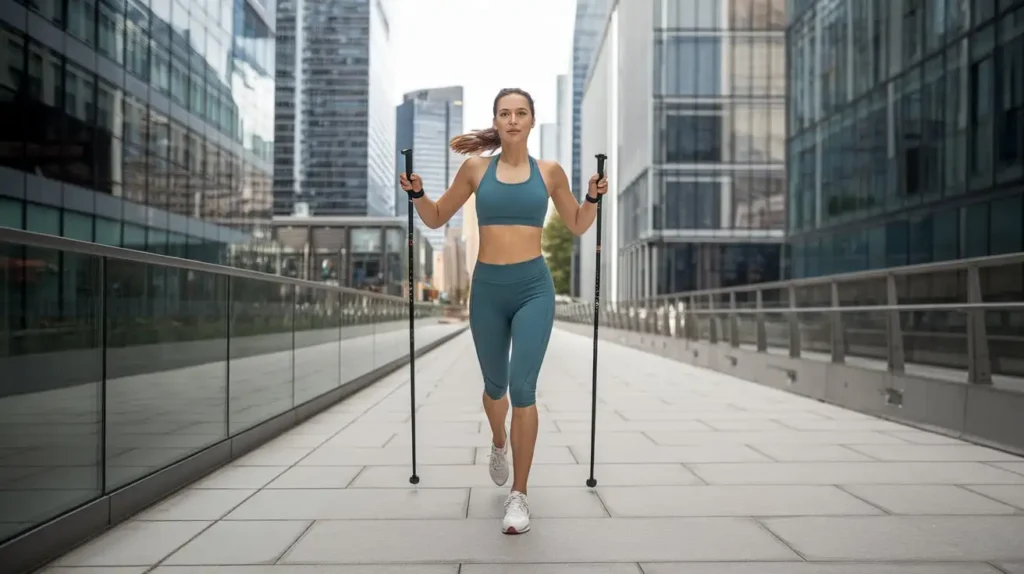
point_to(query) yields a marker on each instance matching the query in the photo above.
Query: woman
(513, 297)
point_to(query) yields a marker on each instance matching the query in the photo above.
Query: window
(693, 14)
(81, 20)
(108, 232)
(42, 219)
(110, 41)
(77, 226)
(11, 213)
(692, 204)
(1005, 226)
(688, 65)
(692, 138)
(1010, 139)
(137, 39)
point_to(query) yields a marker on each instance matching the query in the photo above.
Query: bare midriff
(506, 244)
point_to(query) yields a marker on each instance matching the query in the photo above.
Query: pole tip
(591, 482)
(414, 479)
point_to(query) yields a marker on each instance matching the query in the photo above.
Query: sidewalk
(698, 473)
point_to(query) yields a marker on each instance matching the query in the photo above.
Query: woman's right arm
(436, 213)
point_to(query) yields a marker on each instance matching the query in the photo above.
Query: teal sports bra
(524, 203)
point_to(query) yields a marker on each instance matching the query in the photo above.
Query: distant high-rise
(335, 124)
(426, 121)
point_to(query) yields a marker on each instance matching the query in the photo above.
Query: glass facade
(335, 123)
(366, 253)
(426, 121)
(906, 132)
(709, 211)
(138, 123)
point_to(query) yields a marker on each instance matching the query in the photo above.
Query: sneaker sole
(511, 530)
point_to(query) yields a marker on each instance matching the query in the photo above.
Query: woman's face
(513, 119)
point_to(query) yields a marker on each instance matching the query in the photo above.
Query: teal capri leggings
(513, 305)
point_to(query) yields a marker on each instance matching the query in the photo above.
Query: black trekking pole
(412, 327)
(592, 482)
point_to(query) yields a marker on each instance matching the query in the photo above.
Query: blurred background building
(426, 121)
(366, 253)
(335, 119)
(697, 196)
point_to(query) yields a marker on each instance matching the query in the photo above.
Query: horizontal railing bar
(994, 306)
(20, 237)
(905, 270)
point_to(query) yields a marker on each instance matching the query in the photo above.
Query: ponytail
(477, 142)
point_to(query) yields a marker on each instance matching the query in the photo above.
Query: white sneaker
(517, 514)
(499, 463)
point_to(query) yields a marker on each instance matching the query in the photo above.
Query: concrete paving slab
(698, 473)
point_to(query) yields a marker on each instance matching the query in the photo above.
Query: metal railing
(116, 364)
(965, 315)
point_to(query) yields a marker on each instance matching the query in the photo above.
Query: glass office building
(138, 123)
(906, 132)
(698, 151)
(426, 121)
(335, 123)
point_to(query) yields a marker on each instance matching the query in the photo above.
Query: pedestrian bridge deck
(698, 472)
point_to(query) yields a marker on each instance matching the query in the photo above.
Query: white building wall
(599, 133)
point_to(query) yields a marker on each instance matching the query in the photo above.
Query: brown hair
(479, 141)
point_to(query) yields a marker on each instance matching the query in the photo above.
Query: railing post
(679, 334)
(762, 330)
(650, 319)
(979, 368)
(894, 328)
(712, 322)
(838, 341)
(666, 319)
(794, 325)
(734, 322)
(692, 328)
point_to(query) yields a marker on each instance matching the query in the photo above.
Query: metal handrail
(41, 240)
(936, 267)
(1009, 305)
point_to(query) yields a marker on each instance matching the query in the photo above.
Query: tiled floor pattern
(698, 473)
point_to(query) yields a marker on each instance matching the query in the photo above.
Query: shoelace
(495, 457)
(516, 502)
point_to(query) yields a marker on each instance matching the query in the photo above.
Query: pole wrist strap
(593, 199)
(416, 194)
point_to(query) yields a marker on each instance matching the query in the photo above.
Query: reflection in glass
(50, 391)
(262, 358)
(166, 366)
(357, 337)
(317, 336)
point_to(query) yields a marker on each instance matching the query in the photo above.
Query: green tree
(557, 245)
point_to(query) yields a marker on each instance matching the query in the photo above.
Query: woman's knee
(523, 394)
(495, 391)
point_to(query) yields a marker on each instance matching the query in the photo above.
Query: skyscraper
(335, 125)
(137, 124)
(697, 154)
(906, 132)
(426, 121)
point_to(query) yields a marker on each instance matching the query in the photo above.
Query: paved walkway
(698, 473)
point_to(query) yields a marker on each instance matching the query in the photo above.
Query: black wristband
(593, 199)
(415, 194)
